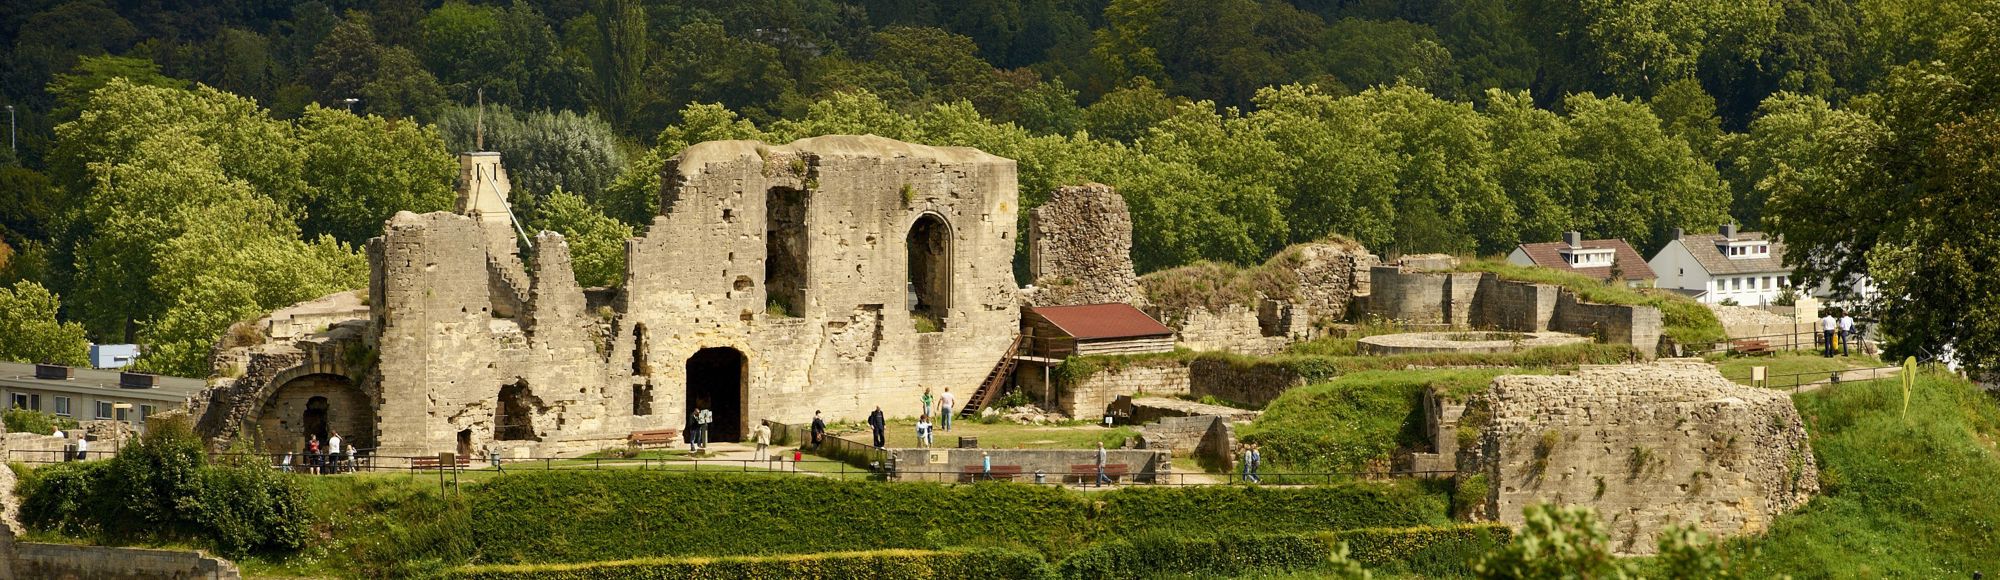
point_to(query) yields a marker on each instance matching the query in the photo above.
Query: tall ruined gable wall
(1080, 248)
(698, 280)
(1647, 446)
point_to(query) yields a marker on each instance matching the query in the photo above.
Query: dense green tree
(1642, 183)
(1368, 53)
(618, 58)
(93, 72)
(596, 241)
(543, 150)
(1801, 148)
(1534, 165)
(704, 64)
(1127, 113)
(364, 169)
(30, 332)
(1556, 542)
(510, 52)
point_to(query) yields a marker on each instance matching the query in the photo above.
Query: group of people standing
(697, 431)
(1836, 328)
(335, 456)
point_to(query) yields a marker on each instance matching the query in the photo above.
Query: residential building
(89, 394)
(1746, 268)
(1605, 260)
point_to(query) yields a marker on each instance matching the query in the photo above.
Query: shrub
(977, 564)
(1441, 551)
(1555, 542)
(37, 422)
(1355, 420)
(161, 489)
(587, 516)
(1150, 555)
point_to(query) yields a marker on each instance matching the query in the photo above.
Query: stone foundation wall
(1483, 300)
(1639, 326)
(1236, 329)
(946, 464)
(1647, 446)
(1088, 400)
(1254, 385)
(1209, 439)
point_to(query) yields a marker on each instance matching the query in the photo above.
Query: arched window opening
(715, 381)
(929, 248)
(515, 420)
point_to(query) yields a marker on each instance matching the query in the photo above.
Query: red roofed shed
(1061, 331)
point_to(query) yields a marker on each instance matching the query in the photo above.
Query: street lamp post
(10, 131)
(350, 101)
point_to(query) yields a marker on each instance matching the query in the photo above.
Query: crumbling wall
(1326, 276)
(1253, 385)
(1636, 325)
(1080, 248)
(1647, 446)
(1090, 397)
(1235, 329)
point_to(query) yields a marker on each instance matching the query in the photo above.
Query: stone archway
(716, 380)
(316, 405)
(929, 249)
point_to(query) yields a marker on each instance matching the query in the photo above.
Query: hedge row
(880, 564)
(578, 516)
(1424, 551)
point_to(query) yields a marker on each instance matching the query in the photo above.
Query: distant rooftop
(1095, 321)
(100, 382)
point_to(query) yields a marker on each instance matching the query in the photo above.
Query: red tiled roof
(1092, 321)
(1630, 264)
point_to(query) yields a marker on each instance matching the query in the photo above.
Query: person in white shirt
(1828, 327)
(82, 448)
(947, 406)
(1846, 331)
(762, 435)
(333, 452)
(924, 431)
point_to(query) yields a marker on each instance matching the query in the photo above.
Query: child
(924, 430)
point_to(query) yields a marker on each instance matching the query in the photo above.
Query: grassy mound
(1356, 422)
(1685, 321)
(1911, 497)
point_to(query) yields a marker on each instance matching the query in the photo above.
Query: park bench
(1086, 473)
(653, 438)
(971, 473)
(432, 462)
(1750, 347)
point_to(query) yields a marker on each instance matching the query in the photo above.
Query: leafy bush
(977, 564)
(1431, 551)
(1555, 542)
(586, 516)
(29, 421)
(161, 489)
(1325, 368)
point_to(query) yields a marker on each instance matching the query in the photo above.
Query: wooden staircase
(990, 388)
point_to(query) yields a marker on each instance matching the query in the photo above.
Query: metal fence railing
(1795, 382)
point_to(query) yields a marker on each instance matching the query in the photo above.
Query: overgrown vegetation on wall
(1357, 422)
(1683, 320)
(980, 564)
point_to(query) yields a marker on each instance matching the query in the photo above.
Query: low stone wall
(1209, 439)
(1165, 377)
(1254, 385)
(933, 464)
(1236, 329)
(1639, 326)
(1463, 342)
(66, 562)
(1648, 446)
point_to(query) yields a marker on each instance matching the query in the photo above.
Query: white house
(1606, 260)
(1746, 267)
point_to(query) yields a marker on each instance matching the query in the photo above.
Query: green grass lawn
(1788, 369)
(1912, 497)
(1356, 422)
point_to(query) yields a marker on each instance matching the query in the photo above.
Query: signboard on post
(1757, 376)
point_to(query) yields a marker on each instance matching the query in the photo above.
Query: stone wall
(1209, 439)
(935, 464)
(1639, 326)
(1253, 385)
(1647, 446)
(1329, 275)
(1235, 329)
(1518, 306)
(1164, 377)
(1080, 248)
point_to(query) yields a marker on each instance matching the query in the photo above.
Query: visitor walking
(1102, 456)
(1828, 326)
(880, 425)
(312, 454)
(924, 430)
(818, 430)
(1250, 460)
(926, 409)
(947, 406)
(694, 430)
(762, 435)
(705, 417)
(83, 448)
(985, 466)
(1846, 331)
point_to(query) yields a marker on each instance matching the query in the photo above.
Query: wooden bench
(1086, 473)
(1750, 347)
(971, 473)
(432, 462)
(653, 438)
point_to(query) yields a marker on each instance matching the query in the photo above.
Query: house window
(104, 409)
(62, 406)
(1763, 249)
(20, 400)
(145, 411)
(1784, 280)
(1767, 282)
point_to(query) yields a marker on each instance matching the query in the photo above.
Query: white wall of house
(1676, 268)
(1519, 258)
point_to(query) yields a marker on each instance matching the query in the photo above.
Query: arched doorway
(715, 381)
(315, 405)
(929, 248)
